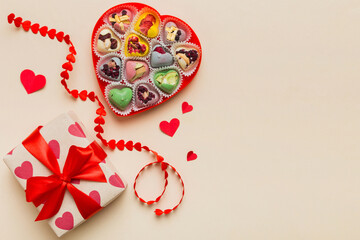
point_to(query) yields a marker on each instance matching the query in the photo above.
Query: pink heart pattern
(25, 171)
(76, 130)
(75, 181)
(66, 222)
(10, 153)
(116, 181)
(96, 196)
(55, 147)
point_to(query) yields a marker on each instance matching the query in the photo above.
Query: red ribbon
(81, 163)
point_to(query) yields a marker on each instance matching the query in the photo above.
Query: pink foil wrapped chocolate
(62, 136)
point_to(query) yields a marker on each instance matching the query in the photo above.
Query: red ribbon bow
(81, 163)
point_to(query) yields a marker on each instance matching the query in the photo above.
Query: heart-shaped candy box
(142, 58)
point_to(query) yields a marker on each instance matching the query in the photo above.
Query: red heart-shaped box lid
(136, 11)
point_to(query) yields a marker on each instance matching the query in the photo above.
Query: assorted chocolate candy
(173, 33)
(135, 70)
(186, 57)
(136, 46)
(120, 98)
(110, 68)
(107, 42)
(146, 94)
(167, 80)
(142, 58)
(161, 57)
(121, 21)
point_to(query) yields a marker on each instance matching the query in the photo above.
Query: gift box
(65, 173)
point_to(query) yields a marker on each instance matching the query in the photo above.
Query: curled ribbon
(81, 163)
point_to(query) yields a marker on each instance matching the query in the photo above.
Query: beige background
(276, 121)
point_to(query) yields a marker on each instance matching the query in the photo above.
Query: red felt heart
(99, 120)
(169, 128)
(67, 66)
(72, 49)
(11, 17)
(186, 78)
(17, 21)
(43, 31)
(51, 33)
(60, 36)
(186, 107)
(101, 112)
(67, 39)
(26, 25)
(31, 82)
(191, 156)
(35, 28)
(70, 58)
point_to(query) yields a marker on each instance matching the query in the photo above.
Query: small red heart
(101, 111)
(99, 129)
(60, 36)
(137, 146)
(67, 39)
(72, 49)
(121, 145)
(35, 28)
(31, 82)
(158, 212)
(43, 31)
(51, 33)
(70, 58)
(26, 25)
(99, 120)
(11, 17)
(129, 145)
(186, 107)
(91, 96)
(75, 93)
(18, 21)
(191, 156)
(64, 74)
(83, 95)
(170, 128)
(112, 144)
(67, 66)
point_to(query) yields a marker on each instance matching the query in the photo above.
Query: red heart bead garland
(84, 95)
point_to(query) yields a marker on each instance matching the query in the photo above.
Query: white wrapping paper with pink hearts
(61, 133)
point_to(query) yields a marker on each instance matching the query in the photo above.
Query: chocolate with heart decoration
(129, 30)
